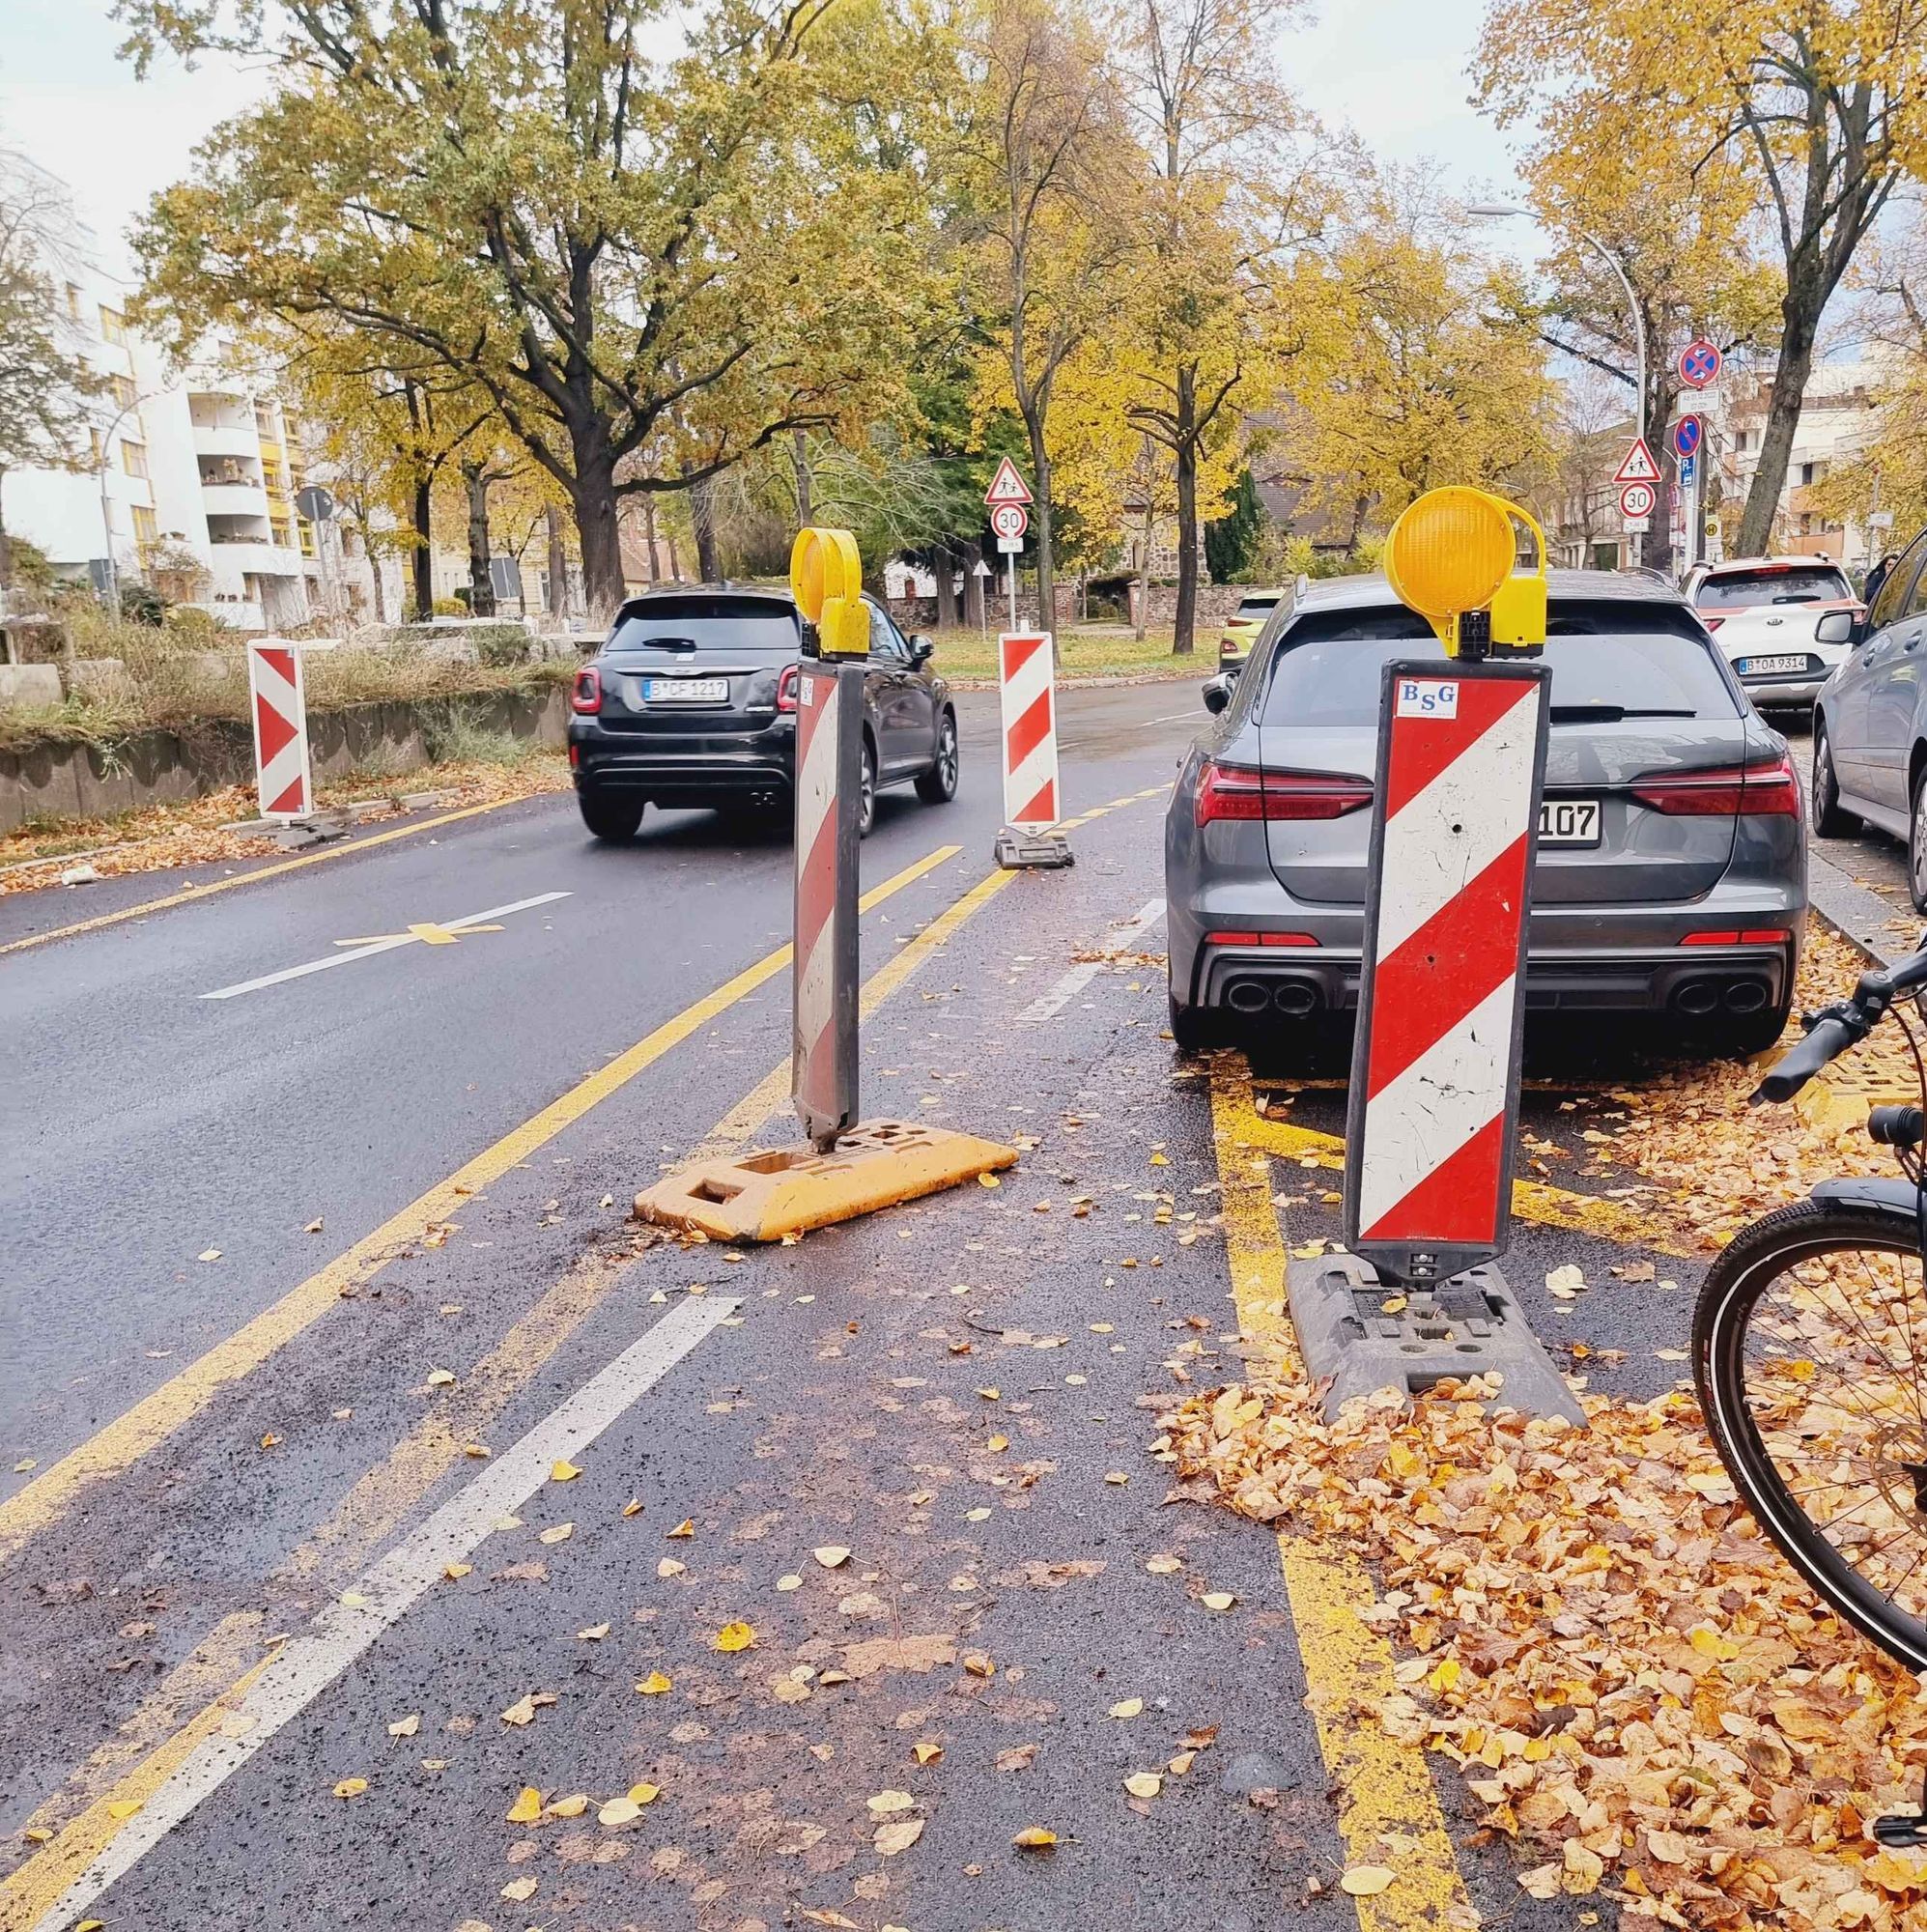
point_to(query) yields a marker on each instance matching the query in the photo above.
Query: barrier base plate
(1356, 1338)
(1017, 849)
(762, 1197)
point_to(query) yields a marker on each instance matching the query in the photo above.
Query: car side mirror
(921, 650)
(1837, 627)
(1217, 693)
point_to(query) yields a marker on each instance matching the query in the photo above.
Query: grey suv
(1869, 720)
(1671, 878)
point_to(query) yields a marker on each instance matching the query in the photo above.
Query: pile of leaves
(1640, 1693)
(1722, 1162)
(161, 838)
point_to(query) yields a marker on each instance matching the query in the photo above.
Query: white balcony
(237, 614)
(239, 441)
(234, 499)
(256, 554)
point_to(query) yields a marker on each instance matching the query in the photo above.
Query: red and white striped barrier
(829, 747)
(1434, 1081)
(1027, 685)
(284, 785)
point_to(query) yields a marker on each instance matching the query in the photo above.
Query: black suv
(692, 701)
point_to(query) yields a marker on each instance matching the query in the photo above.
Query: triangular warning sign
(1008, 487)
(1638, 467)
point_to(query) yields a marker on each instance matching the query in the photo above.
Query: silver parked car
(1870, 720)
(1671, 878)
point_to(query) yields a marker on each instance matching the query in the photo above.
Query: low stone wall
(55, 780)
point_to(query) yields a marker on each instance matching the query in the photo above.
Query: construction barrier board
(1026, 688)
(277, 699)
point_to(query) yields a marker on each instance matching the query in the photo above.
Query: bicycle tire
(1757, 1257)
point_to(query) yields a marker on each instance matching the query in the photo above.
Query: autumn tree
(1820, 104)
(703, 252)
(47, 389)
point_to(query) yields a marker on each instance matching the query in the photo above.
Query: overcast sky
(1394, 69)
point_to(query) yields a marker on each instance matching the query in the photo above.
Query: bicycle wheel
(1810, 1353)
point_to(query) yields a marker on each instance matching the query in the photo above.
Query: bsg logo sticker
(1428, 698)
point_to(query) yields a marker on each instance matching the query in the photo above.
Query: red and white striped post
(826, 579)
(277, 697)
(1026, 688)
(1434, 1079)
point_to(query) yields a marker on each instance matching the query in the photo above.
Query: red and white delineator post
(1434, 1110)
(277, 699)
(828, 763)
(1026, 689)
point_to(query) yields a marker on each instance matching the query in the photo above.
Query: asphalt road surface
(298, 1596)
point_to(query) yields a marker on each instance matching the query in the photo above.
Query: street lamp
(106, 511)
(1505, 211)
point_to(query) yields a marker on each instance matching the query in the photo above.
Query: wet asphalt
(855, 1399)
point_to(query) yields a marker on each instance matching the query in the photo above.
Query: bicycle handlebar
(1827, 1040)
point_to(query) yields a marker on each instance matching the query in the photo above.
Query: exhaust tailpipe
(1746, 996)
(1697, 997)
(1247, 996)
(1296, 996)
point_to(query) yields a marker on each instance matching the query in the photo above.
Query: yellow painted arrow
(428, 933)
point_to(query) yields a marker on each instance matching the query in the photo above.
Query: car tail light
(1759, 935)
(1244, 792)
(1259, 939)
(1769, 790)
(575, 757)
(787, 686)
(586, 699)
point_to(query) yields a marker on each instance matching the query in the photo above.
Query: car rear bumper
(1768, 692)
(685, 770)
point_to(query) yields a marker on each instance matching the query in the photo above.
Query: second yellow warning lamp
(826, 577)
(1454, 556)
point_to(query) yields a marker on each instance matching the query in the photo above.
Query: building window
(1738, 441)
(145, 529)
(133, 458)
(72, 302)
(284, 536)
(94, 438)
(308, 538)
(123, 391)
(263, 421)
(113, 324)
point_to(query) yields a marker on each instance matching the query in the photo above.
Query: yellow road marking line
(1390, 1811)
(191, 895)
(380, 1499)
(1534, 1201)
(149, 1422)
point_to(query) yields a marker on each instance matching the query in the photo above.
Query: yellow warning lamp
(826, 577)
(1454, 553)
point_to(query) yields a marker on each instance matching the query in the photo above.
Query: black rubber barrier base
(1016, 849)
(1359, 1334)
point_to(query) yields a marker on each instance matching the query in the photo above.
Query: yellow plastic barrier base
(762, 1197)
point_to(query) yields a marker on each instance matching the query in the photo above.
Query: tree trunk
(1040, 518)
(1185, 453)
(702, 522)
(558, 566)
(375, 563)
(424, 552)
(649, 531)
(675, 564)
(800, 457)
(973, 585)
(944, 569)
(1801, 313)
(598, 529)
(1141, 617)
(481, 587)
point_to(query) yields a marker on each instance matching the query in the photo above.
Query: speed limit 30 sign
(1009, 520)
(1636, 499)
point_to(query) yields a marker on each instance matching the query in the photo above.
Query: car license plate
(685, 690)
(1766, 667)
(1569, 821)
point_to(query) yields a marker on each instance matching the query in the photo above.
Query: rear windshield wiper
(1609, 714)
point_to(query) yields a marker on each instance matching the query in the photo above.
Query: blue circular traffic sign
(1700, 363)
(1687, 435)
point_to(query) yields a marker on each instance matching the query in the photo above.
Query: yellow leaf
(618, 1811)
(1181, 1763)
(349, 1787)
(988, 1180)
(991, 1393)
(887, 1801)
(521, 1712)
(1366, 1881)
(1217, 1600)
(271, 1440)
(899, 1835)
(594, 1633)
(455, 1571)
(562, 1533)
(1709, 1642)
(1163, 1566)
(527, 1808)
(572, 1807)
(831, 1555)
(563, 1471)
(519, 1889)
(925, 1753)
(476, 1452)
(123, 1809)
(669, 1567)
(977, 1516)
(1158, 1160)
(440, 1378)
(734, 1637)
(1143, 1784)
(37, 1835)
(405, 1727)
(789, 1583)
(645, 1794)
(654, 1685)
(998, 1444)
(633, 1507)
(978, 1664)
(1445, 1676)
(1035, 1838)
(687, 1527)
(1128, 1708)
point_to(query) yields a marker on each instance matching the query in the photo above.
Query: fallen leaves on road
(831, 1555)
(896, 1836)
(527, 1806)
(1018, 1757)
(734, 1637)
(1035, 1838)
(654, 1685)
(523, 1711)
(1366, 1881)
(405, 1727)
(1130, 1707)
(563, 1471)
(1632, 1678)
(1143, 1784)
(350, 1787)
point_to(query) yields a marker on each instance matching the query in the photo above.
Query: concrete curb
(1858, 916)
